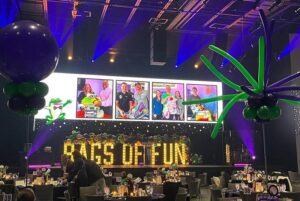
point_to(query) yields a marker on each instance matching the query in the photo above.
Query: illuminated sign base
(136, 153)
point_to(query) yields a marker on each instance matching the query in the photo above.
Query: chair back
(84, 191)
(43, 192)
(158, 189)
(67, 195)
(249, 197)
(228, 199)
(113, 188)
(182, 190)
(226, 177)
(143, 198)
(293, 195)
(94, 198)
(215, 194)
(294, 176)
(181, 197)
(203, 179)
(195, 188)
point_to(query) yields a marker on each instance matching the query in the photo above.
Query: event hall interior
(150, 100)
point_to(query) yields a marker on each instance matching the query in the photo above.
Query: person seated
(26, 194)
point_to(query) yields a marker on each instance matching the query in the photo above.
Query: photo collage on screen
(94, 98)
(132, 100)
(144, 100)
(167, 101)
(201, 112)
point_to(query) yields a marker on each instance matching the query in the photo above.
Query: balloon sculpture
(261, 97)
(29, 54)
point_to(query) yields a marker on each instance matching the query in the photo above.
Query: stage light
(278, 58)
(137, 153)
(253, 157)
(166, 161)
(222, 65)
(196, 66)
(96, 158)
(112, 60)
(93, 60)
(107, 153)
(180, 154)
(125, 160)
(176, 66)
(154, 153)
(70, 57)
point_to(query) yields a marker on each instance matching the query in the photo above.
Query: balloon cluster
(26, 97)
(262, 109)
(30, 54)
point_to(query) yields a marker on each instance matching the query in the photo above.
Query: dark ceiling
(180, 16)
(171, 15)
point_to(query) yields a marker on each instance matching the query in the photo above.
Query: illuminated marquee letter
(83, 149)
(124, 158)
(154, 153)
(96, 158)
(108, 153)
(137, 153)
(69, 148)
(168, 155)
(181, 153)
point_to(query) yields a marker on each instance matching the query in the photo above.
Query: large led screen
(97, 97)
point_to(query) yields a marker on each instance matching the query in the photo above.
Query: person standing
(180, 105)
(141, 102)
(124, 102)
(157, 106)
(106, 98)
(78, 173)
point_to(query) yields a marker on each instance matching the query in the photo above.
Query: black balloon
(254, 102)
(28, 52)
(17, 103)
(36, 102)
(270, 100)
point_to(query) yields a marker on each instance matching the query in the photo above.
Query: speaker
(158, 47)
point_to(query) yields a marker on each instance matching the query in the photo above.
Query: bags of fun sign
(136, 153)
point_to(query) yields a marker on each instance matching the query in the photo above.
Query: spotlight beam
(105, 7)
(136, 5)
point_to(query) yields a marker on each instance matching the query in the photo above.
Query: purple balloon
(28, 52)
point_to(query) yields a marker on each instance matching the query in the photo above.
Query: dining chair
(88, 190)
(94, 198)
(142, 198)
(158, 189)
(181, 197)
(229, 199)
(195, 188)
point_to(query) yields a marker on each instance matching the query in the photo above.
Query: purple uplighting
(111, 34)
(60, 22)
(8, 12)
(41, 138)
(293, 45)
(243, 129)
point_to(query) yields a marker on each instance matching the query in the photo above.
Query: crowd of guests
(82, 172)
(167, 106)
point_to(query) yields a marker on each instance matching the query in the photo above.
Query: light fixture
(111, 60)
(196, 66)
(253, 157)
(70, 57)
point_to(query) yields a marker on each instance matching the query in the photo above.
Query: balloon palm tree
(261, 97)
